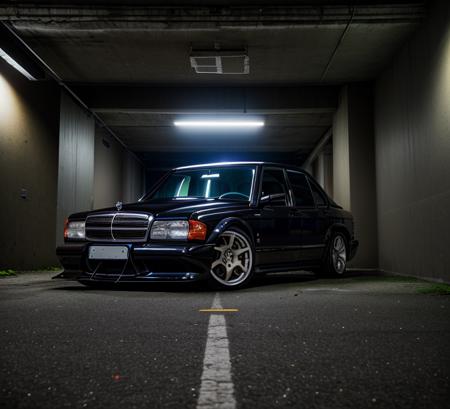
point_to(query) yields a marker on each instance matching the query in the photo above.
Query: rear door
(305, 225)
(323, 218)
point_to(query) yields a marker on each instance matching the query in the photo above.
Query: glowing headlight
(169, 230)
(74, 230)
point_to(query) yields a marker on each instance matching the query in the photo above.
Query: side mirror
(279, 198)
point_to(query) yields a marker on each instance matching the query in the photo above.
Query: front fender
(224, 224)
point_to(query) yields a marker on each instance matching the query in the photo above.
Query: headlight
(170, 230)
(74, 230)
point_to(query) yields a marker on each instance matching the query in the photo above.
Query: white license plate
(108, 252)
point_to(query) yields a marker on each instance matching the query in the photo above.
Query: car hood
(171, 208)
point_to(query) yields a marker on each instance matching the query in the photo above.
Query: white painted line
(216, 390)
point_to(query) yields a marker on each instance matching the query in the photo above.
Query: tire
(233, 265)
(334, 261)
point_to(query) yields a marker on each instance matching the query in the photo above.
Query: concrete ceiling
(301, 42)
(277, 56)
(140, 131)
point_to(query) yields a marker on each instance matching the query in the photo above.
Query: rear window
(318, 195)
(300, 188)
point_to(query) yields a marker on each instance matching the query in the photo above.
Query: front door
(273, 247)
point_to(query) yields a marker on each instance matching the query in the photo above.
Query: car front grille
(125, 227)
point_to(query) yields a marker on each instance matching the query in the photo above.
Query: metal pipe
(318, 148)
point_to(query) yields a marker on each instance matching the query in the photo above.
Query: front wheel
(233, 263)
(334, 261)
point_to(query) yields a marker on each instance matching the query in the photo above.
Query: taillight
(197, 230)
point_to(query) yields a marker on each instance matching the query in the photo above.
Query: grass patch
(387, 278)
(52, 268)
(436, 289)
(7, 273)
(401, 279)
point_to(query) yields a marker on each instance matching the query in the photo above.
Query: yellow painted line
(219, 310)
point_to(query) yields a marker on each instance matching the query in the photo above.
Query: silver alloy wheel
(234, 261)
(339, 254)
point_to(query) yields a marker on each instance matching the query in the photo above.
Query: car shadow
(263, 280)
(138, 287)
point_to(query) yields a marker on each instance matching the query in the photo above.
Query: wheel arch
(228, 222)
(339, 228)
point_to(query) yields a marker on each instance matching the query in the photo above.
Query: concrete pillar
(328, 171)
(76, 162)
(354, 186)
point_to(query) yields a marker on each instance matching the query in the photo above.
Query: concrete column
(354, 169)
(328, 171)
(76, 162)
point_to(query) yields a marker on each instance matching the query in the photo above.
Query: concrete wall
(76, 162)
(354, 185)
(48, 169)
(133, 178)
(29, 116)
(412, 134)
(322, 170)
(118, 175)
(108, 169)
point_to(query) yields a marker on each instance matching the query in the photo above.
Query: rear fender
(338, 227)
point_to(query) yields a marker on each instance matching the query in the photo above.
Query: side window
(300, 188)
(319, 197)
(273, 183)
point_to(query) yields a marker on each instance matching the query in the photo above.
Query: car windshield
(230, 183)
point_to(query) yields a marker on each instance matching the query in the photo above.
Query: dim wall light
(16, 65)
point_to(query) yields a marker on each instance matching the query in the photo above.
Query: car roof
(204, 165)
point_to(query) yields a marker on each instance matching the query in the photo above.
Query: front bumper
(146, 263)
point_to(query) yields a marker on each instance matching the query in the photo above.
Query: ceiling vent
(220, 62)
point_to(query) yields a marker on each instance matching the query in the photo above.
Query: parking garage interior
(357, 93)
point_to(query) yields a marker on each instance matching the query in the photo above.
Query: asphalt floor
(294, 342)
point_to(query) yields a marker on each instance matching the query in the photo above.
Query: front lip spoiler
(150, 277)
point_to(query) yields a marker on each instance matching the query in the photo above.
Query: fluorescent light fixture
(211, 175)
(224, 123)
(16, 65)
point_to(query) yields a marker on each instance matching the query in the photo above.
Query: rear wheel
(334, 261)
(233, 264)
